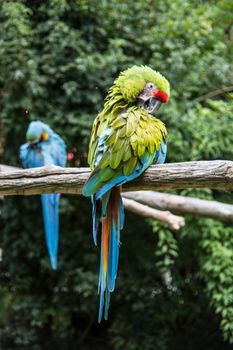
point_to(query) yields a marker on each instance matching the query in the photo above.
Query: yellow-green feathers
(132, 81)
(131, 135)
(122, 115)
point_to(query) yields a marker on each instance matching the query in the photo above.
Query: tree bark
(184, 205)
(174, 222)
(216, 174)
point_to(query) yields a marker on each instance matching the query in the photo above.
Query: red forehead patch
(162, 96)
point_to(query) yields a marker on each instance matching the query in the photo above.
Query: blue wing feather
(31, 157)
(160, 156)
(140, 167)
(54, 151)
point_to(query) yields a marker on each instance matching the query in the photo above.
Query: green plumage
(132, 81)
(132, 134)
(125, 140)
(133, 130)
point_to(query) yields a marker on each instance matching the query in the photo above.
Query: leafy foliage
(57, 60)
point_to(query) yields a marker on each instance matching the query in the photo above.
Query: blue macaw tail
(112, 223)
(50, 209)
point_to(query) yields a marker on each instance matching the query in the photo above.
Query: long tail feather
(50, 209)
(95, 217)
(112, 222)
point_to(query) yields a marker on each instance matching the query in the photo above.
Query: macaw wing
(54, 150)
(31, 156)
(98, 136)
(160, 156)
(124, 150)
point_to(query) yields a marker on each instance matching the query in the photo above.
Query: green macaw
(126, 139)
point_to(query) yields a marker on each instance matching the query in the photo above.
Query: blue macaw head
(37, 132)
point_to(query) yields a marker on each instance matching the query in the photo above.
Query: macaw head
(37, 132)
(144, 86)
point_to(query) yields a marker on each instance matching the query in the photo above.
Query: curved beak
(161, 96)
(150, 103)
(154, 104)
(152, 100)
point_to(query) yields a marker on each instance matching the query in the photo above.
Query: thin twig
(174, 222)
(183, 205)
(214, 93)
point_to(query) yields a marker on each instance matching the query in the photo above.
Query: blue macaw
(45, 147)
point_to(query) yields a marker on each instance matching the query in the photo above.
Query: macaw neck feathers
(115, 104)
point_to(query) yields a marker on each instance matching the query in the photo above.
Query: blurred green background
(57, 60)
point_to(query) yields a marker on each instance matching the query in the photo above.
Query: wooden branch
(214, 93)
(184, 205)
(216, 174)
(174, 222)
(8, 168)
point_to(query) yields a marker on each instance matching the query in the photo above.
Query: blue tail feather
(95, 218)
(122, 215)
(106, 306)
(50, 209)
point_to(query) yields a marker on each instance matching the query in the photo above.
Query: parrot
(125, 140)
(45, 147)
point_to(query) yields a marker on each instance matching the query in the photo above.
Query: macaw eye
(151, 85)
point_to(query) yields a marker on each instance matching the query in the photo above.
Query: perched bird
(45, 147)
(126, 139)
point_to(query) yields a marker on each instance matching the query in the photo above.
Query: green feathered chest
(122, 139)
